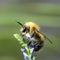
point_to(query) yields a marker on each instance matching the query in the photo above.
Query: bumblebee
(31, 33)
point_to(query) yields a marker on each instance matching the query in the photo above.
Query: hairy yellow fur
(40, 34)
(34, 28)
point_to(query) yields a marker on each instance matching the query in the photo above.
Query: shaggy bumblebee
(30, 33)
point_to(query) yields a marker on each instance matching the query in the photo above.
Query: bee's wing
(46, 37)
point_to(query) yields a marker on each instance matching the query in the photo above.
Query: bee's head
(24, 29)
(28, 27)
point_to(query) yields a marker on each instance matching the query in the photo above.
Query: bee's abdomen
(38, 45)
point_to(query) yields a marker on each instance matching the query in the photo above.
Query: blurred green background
(45, 13)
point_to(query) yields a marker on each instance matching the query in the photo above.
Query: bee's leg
(29, 43)
(38, 46)
(24, 39)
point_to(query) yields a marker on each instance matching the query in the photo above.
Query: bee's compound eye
(24, 29)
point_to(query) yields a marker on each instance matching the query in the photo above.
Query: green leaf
(18, 37)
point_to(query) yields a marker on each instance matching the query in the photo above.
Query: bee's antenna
(20, 23)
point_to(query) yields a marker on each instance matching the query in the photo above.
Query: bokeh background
(46, 13)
